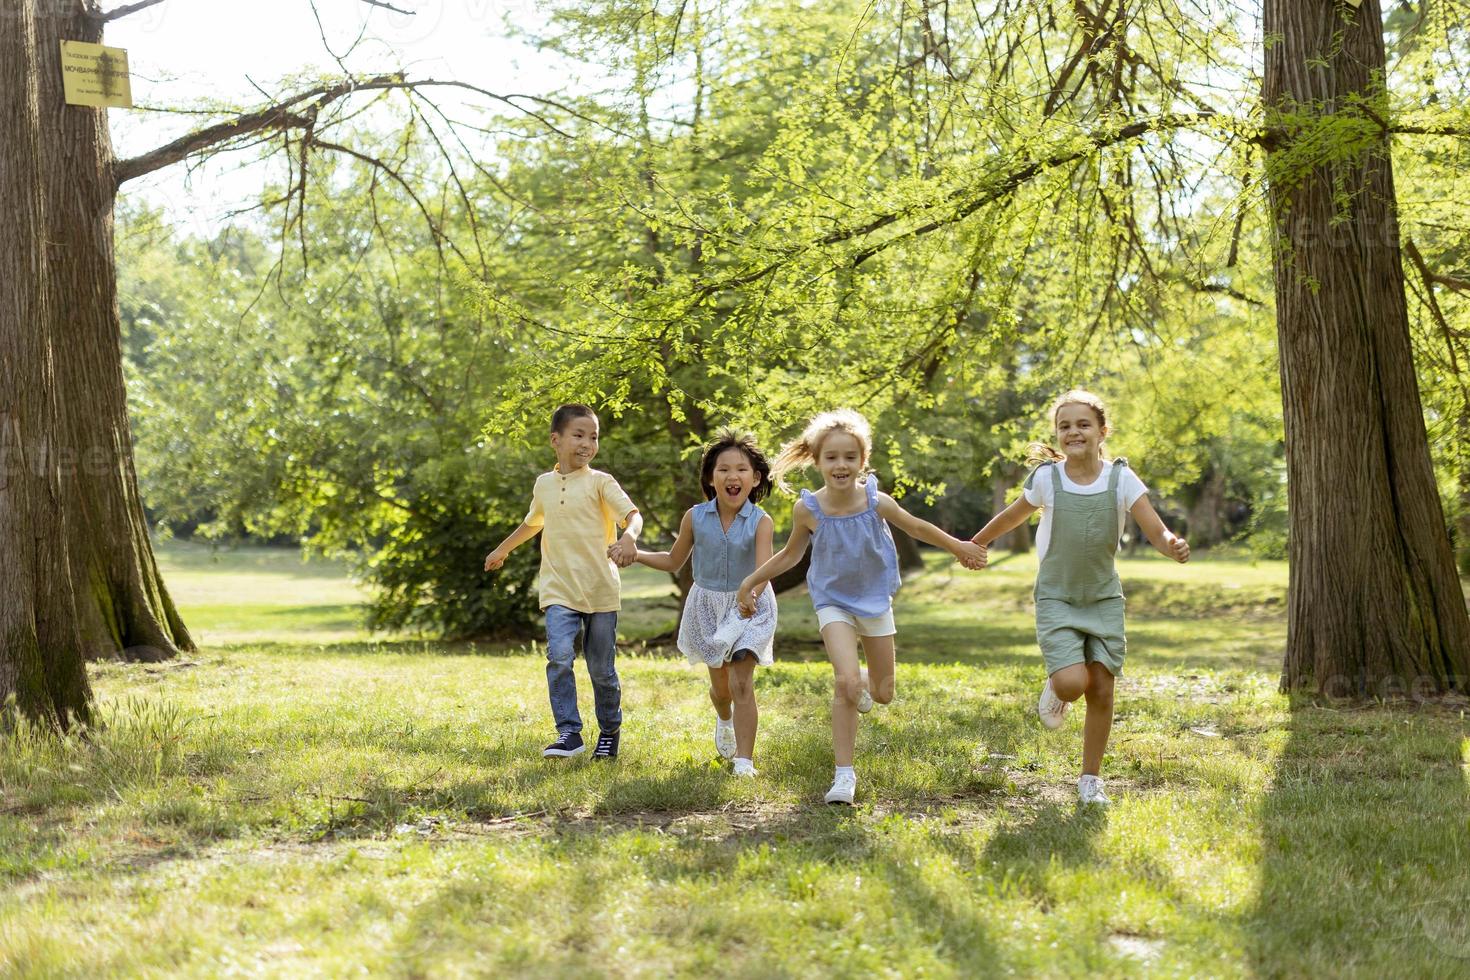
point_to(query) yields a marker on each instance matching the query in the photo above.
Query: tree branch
(275, 117)
(130, 8)
(281, 117)
(389, 6)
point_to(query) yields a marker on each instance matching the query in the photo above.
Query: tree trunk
(909, 556)
(1375, 606)
(1207, 515)
(1017, 541)
(1462, 526)
(111, 597)
(42, 675)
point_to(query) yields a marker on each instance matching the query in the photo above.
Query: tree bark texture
(1375, 607)
(113, 594)
(42, 675)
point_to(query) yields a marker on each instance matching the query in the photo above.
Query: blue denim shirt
(722, 558)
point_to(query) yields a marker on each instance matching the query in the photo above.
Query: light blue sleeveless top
(722, 558)
(854, 563)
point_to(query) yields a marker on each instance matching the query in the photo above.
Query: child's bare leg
(719, 691)
(747, 716)
(878, 651)
(1070, 683)
(1099, 722)
(841, 641)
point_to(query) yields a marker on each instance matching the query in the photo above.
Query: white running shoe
(844, 788)
(744, 768)
(1051, 708)
(865, 699)
(1090, 790)
(725, 737)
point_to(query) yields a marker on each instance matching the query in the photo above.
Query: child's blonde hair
(1040, 452)
(802, 451)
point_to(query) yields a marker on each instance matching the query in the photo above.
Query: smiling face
(1080, 433)
(733, 478)
(576, 443)
(841, 460)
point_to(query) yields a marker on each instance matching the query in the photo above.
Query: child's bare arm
(765, 540)
(513, 541)
(1165, 541)
(672, 560)
(624, 550)
(783, 560)
(970, 554)
(1006, 521)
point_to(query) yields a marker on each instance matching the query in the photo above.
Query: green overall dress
(1079, 600)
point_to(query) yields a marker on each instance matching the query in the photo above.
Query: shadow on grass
(1365, 840)
(816, 865)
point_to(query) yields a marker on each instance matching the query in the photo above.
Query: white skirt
(706, 609)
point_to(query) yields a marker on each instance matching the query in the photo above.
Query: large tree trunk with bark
(114, 597)
(41, 671)
(1375, 606)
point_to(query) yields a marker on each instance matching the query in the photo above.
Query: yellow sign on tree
(95, 75)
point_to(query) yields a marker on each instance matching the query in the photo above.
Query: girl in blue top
(854, 570)
(729, 536)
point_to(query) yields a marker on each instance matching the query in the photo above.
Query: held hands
(747, 599)
(494, 560)
(623, 551)
(972, 555)
(1178, 549)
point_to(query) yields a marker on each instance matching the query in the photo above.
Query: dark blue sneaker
(607, 746)
(567, 744)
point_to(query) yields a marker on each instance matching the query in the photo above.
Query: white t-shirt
(1042, 494)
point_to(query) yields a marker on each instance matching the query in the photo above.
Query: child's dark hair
(563, 416)
(729, 437)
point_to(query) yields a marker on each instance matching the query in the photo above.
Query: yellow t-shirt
(579, 513)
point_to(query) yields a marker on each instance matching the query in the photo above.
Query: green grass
(301, 798)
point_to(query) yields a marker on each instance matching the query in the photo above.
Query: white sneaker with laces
(744, 768)
(1051, 708)
(844, 788)
(865, 698)
(1090, 790)
(725, 737)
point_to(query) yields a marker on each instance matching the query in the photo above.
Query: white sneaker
(745, 769)
(728, 632)
(725, 737)
(1051, 708)
(1090, 790)
(865, 700)
(844, 788)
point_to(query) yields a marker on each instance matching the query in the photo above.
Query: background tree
(64, 302)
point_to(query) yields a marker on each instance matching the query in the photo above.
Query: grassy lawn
(303, 799)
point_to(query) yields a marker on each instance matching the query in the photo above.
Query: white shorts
(879, 625)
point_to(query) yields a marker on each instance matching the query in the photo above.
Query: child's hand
(624, 551)
(494, 560)
(1179, 549)
(973, 556)
(747, 601)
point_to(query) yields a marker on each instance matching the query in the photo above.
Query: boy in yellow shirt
(575, 509)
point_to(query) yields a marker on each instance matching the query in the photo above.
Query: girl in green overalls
(1084, 500)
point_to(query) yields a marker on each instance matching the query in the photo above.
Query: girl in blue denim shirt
(728, 536)
(854, 570)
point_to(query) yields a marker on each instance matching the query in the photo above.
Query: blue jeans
(599, 634)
